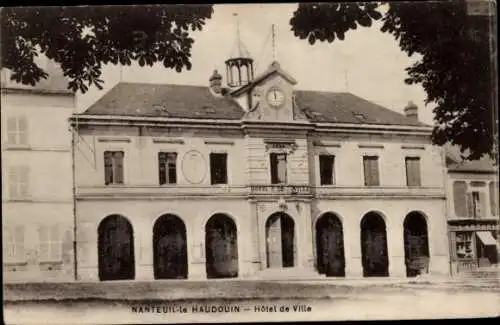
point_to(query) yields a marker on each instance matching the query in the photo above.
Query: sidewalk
(236, 289)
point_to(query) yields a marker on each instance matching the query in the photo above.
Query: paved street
(333, 302)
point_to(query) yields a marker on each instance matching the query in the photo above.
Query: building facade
(472, 192)
(254, 180)
(37, 208)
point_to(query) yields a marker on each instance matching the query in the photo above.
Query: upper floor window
(371, 172)
(460, 198)
(493, 189)
(218, 168)
(167, 167)
(278, 168)
(17, 130)
(113, 167)
(327, 169)
(50, 243)
(412, 171)
(18, 177)
(13, 244)
(475, 204)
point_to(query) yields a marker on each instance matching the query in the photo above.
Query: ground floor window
(464, 245)
(50, 243)
(13, 244)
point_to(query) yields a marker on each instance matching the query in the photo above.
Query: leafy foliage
(456, 65)
(83, 39)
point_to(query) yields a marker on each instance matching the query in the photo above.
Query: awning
(486, 238)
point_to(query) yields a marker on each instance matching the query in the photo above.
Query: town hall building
(251, 177)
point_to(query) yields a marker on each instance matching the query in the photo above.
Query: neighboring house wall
(37, 209)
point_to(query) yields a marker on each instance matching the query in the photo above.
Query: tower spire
(274, 41)
(239, 66)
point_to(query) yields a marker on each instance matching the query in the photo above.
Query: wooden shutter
(171, 168)
(282, 168)
(22, 130)
(274, 168)
(370, 166)
(459, 198)
(413, 171)
(12, 130)
(23, 178)
(55, 244)
(19, 242)
(13, 182)
(493, 189)
(108, 168)
(43, 238)
(333, 169)
(470, 205)
(482, 205)
(162, 177)
(118, 167)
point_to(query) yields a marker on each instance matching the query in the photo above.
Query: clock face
(275, 97)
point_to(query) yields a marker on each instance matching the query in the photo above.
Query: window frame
(165, 163)
(418, 172)
(20, 136)
(213, 173)
(18, 179)
(274, 176)
(113, 167)
(333, 173)
(54, 255)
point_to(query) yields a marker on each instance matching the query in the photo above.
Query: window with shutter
(471, 208)
(22, 130)
(327, 169)
(44, 245)
(460, 198)
(55, 244)
(493, 192)
(11, 130)
(371, 170)
(113, 167)
(412, 171)
(278, 168)
(9, 246)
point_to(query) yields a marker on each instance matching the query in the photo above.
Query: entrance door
(221, 247)
(116, 249)
(330, 246)
(280, 238)
(170, 248)
(416, 244)
(374, 246)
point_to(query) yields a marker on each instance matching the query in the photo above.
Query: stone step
(288, 273)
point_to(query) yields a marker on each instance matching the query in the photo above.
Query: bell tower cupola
(239, 66)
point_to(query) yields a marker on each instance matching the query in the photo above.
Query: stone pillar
(196, 253)
(395, 247)
(352, 247)
(87, 252)
(143, 250)
(304, 229)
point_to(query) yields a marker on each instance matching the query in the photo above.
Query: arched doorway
(374, 255)
(416, 244)
(170, 248)
(330, 245)
(116, 249)
(221, 247)
(280, 238)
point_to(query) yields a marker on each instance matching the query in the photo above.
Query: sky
(368, 63)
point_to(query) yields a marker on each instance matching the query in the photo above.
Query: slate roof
(456, 164)
(184, 101)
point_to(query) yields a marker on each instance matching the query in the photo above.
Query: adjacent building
(473, 222)
(37, 209)
(250, 177)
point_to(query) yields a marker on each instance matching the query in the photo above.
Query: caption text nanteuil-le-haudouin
(223, 308)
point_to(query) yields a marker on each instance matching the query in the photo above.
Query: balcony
(280, 189)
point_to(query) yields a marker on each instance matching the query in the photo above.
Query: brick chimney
(216, 83)
(411, 111)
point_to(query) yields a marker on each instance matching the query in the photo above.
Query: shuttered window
(476, 205)
(50, 245)
(218, 168)
(493, 191)
(17, 130)
(167, 167)
(113, 167)
(412, 171)
(371, 172)
(327, 169)
(460, 198)
(18, 184)
(278, 168)
(13, 244)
